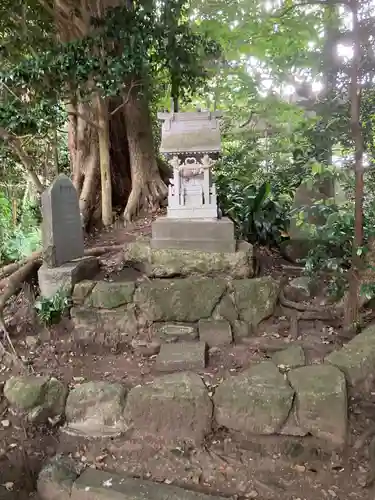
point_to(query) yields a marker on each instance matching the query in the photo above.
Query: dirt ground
(264, 468)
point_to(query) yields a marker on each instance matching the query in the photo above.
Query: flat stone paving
(215, 332)
(101, 485)
(181, 356)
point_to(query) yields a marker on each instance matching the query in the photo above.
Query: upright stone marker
(62, 231)
(63, 243)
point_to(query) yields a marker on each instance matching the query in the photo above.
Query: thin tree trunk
(55, 153)
(104, 160)
(72, 144)
(351, 311)
(15, 145)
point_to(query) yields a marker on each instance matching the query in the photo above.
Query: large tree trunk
(135, 177)
(148, 188)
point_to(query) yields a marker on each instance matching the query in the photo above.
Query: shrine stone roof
(190, 132)
(192, 141)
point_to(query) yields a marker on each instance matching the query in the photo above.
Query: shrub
(18, 240)
(332, 239)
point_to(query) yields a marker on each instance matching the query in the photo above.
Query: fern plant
(50, 310)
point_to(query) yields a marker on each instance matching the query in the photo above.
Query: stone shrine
(64, 263)
(191, 143)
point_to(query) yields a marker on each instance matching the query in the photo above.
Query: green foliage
(333, 232)
(51, 310)
(331, 252)
(257, 214)
(135, 45)
(18, 240)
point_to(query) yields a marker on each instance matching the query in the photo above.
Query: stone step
(61, 479)
(101, 485)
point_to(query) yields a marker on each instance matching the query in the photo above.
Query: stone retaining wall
(180, 407)
(113, 313)
(271, 397)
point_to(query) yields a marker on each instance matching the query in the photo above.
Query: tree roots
(144, 196)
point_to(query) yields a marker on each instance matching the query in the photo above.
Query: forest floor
(283, 468)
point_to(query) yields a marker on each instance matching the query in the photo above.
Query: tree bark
(148, 188)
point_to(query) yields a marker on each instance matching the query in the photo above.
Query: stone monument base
(206, 235)
(169, 262)
(63, 278)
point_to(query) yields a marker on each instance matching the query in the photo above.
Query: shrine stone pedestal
(206, 235)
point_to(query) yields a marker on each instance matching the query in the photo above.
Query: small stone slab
(322, 405)
(182, 356)
(257, 401)
(241, 331)
(174, 332)
(102, 485)
(357, 358)
(173, 408)
(63, 278)
(292, 357)
(215, 332)
(95, 409)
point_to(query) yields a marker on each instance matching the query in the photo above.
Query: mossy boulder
(181, 300)
(357, 358)
(39, 398)
(322, 405)
(94, 409)
(257, 401)
(256, 298)
(175, 408)
(57, 476)
(110, 327)
(24, 393)
(109, 295)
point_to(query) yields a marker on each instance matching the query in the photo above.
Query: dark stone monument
(62, 231)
